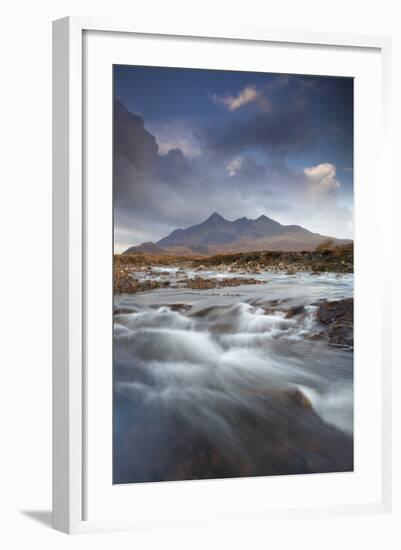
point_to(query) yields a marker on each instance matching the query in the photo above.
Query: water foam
(222, 362)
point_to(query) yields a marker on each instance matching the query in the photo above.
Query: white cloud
(322, 209)
(322, 178)
(248, 95)
(234, 166)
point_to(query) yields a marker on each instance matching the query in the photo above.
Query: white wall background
(25, 217)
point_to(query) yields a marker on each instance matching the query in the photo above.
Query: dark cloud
(132, 140)
(137, 163)
(286, 128)
(155, 193)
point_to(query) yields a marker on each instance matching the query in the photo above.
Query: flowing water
(229, 382)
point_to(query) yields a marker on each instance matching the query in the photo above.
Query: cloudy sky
(189, 142)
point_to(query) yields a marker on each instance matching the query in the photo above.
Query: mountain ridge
(218, 235)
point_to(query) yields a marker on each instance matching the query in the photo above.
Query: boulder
(333, 311)
(299, 399)
(338, 316)
(296, 310)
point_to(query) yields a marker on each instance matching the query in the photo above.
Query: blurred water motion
(230, 382)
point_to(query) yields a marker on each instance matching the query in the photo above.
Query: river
(228, 382)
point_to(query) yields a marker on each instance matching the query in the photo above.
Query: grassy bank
(326, 258)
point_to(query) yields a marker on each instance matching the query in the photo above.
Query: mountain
(216, 235)
(148, 248)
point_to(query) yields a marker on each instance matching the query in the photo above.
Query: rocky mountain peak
(215, 217)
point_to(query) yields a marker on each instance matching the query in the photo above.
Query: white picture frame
(70, 257)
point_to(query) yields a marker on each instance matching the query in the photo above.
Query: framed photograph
(220, 342)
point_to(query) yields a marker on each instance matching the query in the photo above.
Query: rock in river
(338, 315)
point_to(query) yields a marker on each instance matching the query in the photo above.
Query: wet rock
(341, 334)
(200, 283)
(126, 283)
(299, 399)
(276, 429)
(122, 310)
(179, 307)
(338, 316)
(296, 310)
(329, 312)
(235, 281)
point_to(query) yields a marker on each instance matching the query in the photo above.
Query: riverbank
(136, 272)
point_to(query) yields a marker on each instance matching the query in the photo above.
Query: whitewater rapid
(202, 379)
